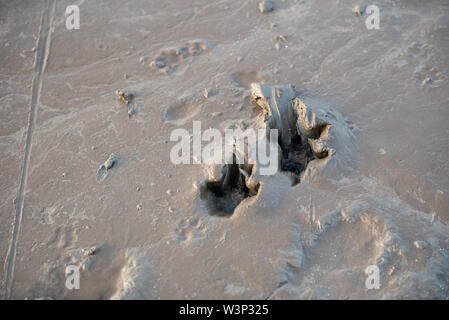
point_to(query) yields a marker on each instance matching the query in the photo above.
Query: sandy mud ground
(379, 197)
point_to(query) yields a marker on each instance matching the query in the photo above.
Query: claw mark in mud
(169, 60)
(227, 192)
(297, 155)
(301, 136)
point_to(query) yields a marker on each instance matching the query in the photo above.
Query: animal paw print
(302, 136)
(226, 192)
(169, 60)
(306, 144)
(189, 229)
(420, 51)
(429, 76)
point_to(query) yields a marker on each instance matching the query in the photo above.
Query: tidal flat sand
(363, 169)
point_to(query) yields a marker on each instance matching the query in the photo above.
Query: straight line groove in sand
(40, 63)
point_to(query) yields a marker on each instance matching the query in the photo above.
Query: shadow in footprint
(225, 194)
(297, 155)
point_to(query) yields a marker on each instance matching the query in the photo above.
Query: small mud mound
(226, 193)
(301, 136)
(169, 60)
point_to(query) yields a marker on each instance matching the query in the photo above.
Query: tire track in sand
(40, 63)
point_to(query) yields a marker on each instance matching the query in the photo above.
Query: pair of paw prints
(301, 139)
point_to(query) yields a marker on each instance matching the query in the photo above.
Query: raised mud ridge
(301, 140)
